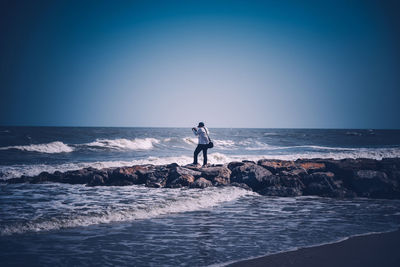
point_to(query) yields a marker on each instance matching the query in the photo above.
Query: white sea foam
(227, 144)
(122, 143)
(158, 202)
(53, 147)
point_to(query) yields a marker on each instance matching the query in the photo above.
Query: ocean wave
(160, 203)
(53, 147)
(122, 143)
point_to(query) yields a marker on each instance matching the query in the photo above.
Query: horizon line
(277, 128)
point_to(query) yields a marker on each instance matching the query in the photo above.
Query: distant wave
(122, 143)
(182, 201)
(53, 147)
(188, 142)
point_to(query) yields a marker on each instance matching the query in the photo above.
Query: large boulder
(213, 172)
(255, 176)
(311, 166)
(176, 172)
(345, 168)
(82, 176)
(220, 181)
(123, 176)
(157, 177)
(276, 166)
(235, 164)
(325, 184)
(201, 183)
(375, 184)
(181, 181)
(281, 191)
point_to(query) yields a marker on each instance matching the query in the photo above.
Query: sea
(75, 225)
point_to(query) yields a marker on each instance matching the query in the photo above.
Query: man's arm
(195, 131)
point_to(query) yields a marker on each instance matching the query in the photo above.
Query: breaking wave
(146, 203)
(53, 147)
(122, 143)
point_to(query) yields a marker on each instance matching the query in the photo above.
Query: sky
(261, 64)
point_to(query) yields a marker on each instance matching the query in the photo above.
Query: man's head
(201, 124)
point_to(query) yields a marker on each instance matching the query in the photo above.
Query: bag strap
(209, 139)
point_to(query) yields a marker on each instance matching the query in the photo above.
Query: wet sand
(382, 250)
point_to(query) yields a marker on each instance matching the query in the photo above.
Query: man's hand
(193, 129)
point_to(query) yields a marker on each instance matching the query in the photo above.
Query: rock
(235, 164)
(281, 191)
(299, 172)
(83, 176)
(183, 180)
(375, 184)
(179, 171)
(321, 184)
(201, 183)
(212, 172)
(321, 177)
(276, 166)
(96, 180)
(310, 166)
(177, 176)
(345, 168)
(219, 181)
(241, 185)
(157, 177)
(291, 181)
(123, 176)
(255, 176)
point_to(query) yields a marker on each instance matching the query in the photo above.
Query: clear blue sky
(308, 64)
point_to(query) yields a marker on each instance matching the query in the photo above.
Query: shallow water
(60, 224)
(78, 225)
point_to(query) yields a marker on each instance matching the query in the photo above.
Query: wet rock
(123, 176)
(96, 180)
(212, 172)
(321, 184)
(255, 176)
(241, 185)
(157, 177)
(310, 166)
(219, 181)
(299, 172)
(181, 181)
(235, 164)
(345, 168)
(321, 177)
(281, 191)
(375, 184)
(201, 183)
(276, 166)
(83, 176)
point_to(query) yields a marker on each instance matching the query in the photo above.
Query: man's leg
(205, 154)
(196, 152)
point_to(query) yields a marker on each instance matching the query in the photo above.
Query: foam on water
(127, 204)
(53, 147)
(122, 143)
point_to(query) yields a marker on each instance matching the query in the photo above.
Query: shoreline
(371, 249)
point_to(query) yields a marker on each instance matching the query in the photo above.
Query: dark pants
(197, 151)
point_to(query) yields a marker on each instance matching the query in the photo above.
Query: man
(202, 133)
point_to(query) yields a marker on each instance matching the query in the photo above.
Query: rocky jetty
(345, 178)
